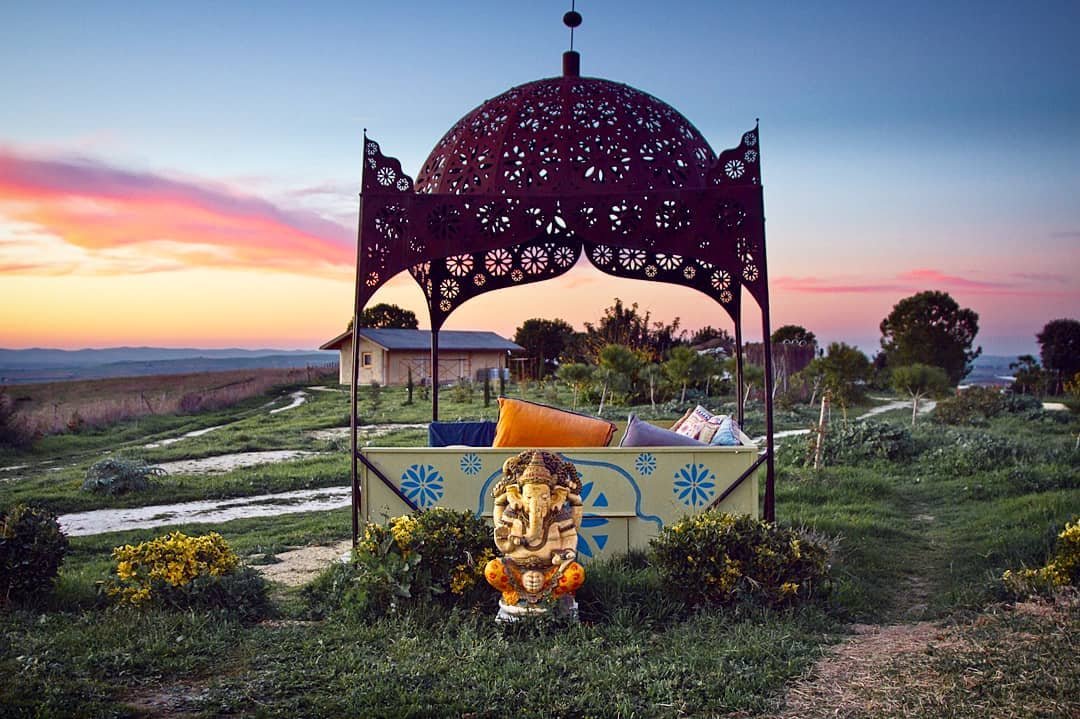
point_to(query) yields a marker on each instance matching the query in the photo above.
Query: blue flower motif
(470, 463)
(422, 484)
(645, 464)
(695, 485)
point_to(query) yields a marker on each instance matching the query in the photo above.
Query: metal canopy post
(434, 374)
(354, 373)
(739, 370)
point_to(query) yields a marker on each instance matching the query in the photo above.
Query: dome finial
(571, 59)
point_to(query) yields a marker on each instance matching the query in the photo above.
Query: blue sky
(898, 140)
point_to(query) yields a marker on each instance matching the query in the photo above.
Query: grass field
(921, 544)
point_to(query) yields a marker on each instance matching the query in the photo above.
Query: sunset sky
(186, 175)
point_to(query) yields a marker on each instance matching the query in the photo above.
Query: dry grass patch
(1017, 661)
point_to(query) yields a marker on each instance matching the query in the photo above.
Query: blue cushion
(642, 434)
(470, 434)
(727, 434)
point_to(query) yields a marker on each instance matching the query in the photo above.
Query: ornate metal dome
(568, 135)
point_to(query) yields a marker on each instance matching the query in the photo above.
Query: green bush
(974, 405)
(32, 546)
(851, 443)
(958, 452)
(721, 558)
(117, 475)
(435, 555)
(1022, 403)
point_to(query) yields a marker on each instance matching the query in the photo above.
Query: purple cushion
(642, 434)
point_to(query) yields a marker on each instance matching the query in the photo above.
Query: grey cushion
(642, 434)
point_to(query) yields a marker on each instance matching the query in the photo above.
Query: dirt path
(300, 566)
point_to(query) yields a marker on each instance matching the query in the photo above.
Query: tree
(1059, 347)
(931, 328)
(794, 334)
(385, 316)
(653, 374)
(622, 325)
(546, 340)
(918, 381)
(683, 367)
(843, 369)
(1028, 376)
(577, 375)
(623, 365)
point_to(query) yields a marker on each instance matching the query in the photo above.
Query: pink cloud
(928, 276)
(96, 207)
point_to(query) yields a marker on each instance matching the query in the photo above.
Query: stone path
(174, 440)
(228, 462)
(213, 511)
(298, 398)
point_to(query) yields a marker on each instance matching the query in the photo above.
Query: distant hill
(50, 365)
(989, 370)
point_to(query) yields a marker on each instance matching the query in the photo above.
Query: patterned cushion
(692, 422)
(640, 433)
(528, 424)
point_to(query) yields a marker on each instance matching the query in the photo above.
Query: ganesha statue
(537, 514)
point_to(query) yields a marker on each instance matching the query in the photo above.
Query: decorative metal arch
(525, 184)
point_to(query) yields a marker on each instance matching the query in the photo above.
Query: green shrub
(958, 452)
(117, 475)
(1062, 569)
(435, 555)
(181, 572)
(853, 442)
(32, 546)
(721, 558)
(1021, 403)
(974, 405)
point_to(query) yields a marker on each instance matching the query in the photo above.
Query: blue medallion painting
(695, 485)
(422, 484)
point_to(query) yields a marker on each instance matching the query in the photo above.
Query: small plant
(721, 558)
(375, 395)
(32, 547)
(433, 555)
(14, 430)
(463, 391)
(850, 443)
(181, 572)
(974, 405)
(1062, 570)
(117, 475)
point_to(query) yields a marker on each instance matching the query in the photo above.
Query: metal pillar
(354, 371)
(434, 374)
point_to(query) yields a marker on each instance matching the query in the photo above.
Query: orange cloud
(167, 223)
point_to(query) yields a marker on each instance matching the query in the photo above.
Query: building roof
(415, 340)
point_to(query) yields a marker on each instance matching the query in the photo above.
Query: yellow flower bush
(718, 558)
(182, 571)
(1062, 570)
(433, 555)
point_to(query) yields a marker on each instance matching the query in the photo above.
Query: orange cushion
(527, 424)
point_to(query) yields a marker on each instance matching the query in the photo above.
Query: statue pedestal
(566, 607)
